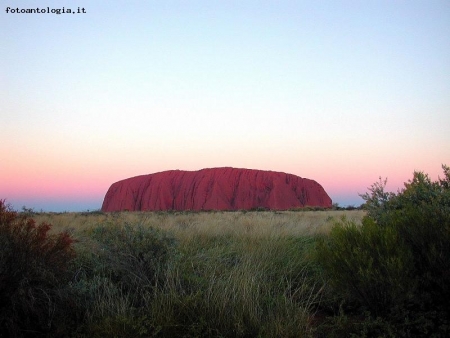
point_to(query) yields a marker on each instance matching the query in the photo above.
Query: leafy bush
(368, 264)
(33, 268)
(419, 193)
(396, 265)
(420, 213)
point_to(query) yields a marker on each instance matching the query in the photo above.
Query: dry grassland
(191, 224)
(227, 274)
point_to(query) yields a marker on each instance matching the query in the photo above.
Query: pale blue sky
(338, 91)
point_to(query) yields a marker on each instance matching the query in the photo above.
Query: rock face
(215, 189)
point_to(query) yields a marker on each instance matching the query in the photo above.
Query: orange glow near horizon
(321, 92)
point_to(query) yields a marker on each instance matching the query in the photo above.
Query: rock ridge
(224, 188)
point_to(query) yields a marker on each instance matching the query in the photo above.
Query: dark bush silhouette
(33, 267)
(396, 265)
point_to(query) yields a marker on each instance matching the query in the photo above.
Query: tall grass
(226, 274)
(236, 286)
(215, 274)
(252, 223)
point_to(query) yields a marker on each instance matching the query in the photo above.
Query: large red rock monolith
(215, 189)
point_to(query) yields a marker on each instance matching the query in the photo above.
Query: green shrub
(396, 265)
(33, 270)
(368, 264)
(420, 213)
(418, 193)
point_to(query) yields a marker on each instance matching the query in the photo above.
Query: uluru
(215, 189)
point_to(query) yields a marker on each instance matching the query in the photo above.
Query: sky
(341, 92)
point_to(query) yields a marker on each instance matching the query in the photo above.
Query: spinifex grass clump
(396, 266)
(239, 286)
(119, 269)
(33, 269)
(139, 281)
